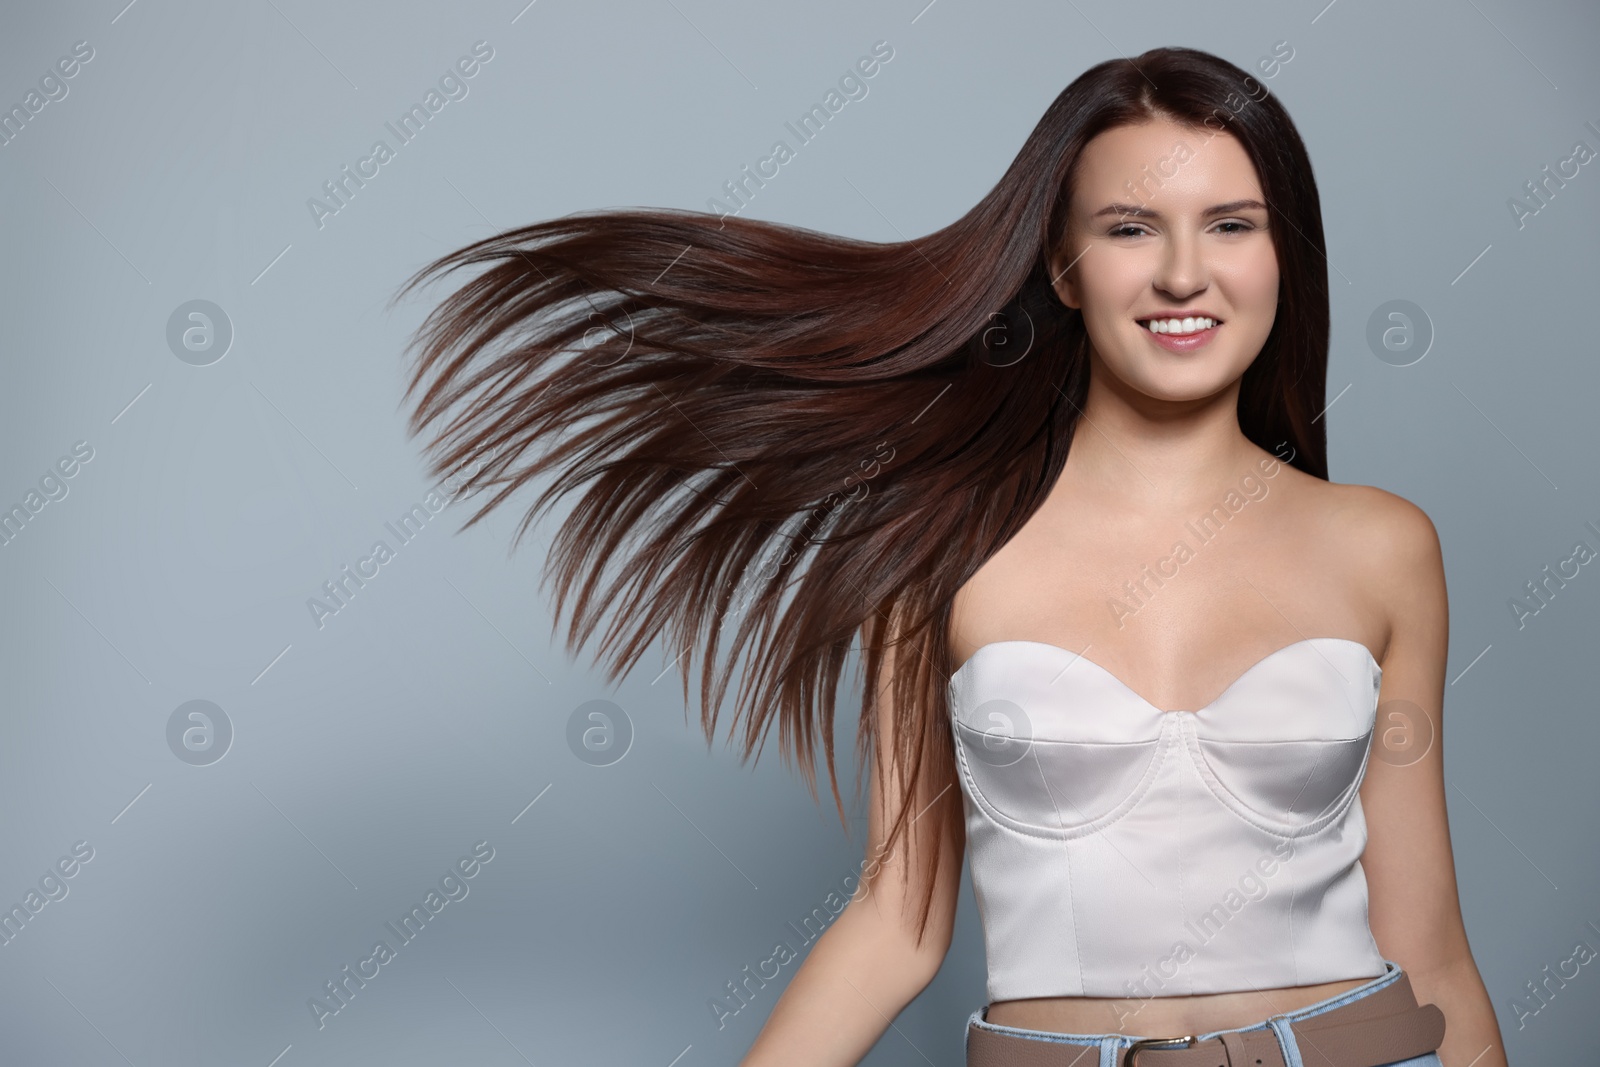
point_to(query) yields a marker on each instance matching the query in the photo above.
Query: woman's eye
(1131, 230)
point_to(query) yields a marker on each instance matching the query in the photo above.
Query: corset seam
(1250, 817)
(1163, 745)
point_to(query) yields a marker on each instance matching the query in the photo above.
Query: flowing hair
(821, 438)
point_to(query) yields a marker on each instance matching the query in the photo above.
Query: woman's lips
(1182, 342)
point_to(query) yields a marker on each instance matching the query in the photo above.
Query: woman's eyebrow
(1135, 211)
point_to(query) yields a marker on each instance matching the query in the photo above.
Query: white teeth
(1189, 325)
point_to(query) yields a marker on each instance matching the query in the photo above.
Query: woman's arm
(1414, 906)
(866, 966)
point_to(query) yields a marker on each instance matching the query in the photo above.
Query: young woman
(1088, 416)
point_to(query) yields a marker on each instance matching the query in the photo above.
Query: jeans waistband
(1111, 1044)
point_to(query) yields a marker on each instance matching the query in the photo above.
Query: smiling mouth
(1177, 327)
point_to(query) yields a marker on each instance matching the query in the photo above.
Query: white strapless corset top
(1120, 850)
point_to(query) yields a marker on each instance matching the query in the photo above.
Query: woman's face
(1165, 221)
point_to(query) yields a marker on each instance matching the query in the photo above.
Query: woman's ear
(1063, 279)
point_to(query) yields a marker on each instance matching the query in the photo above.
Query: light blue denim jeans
(1112, 1045)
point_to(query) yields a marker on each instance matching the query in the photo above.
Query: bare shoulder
(1390, 532)
(1391, 548)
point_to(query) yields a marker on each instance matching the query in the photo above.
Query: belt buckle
(1145, 1042)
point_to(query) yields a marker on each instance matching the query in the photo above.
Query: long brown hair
(819, 437)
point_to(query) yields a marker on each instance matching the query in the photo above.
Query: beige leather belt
(1376, 1029)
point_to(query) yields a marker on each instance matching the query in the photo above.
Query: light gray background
(371, 753)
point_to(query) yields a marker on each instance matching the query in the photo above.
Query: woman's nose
(1182, 270)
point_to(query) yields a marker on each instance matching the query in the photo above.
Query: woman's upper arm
(897, 891)
(1413, 903)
